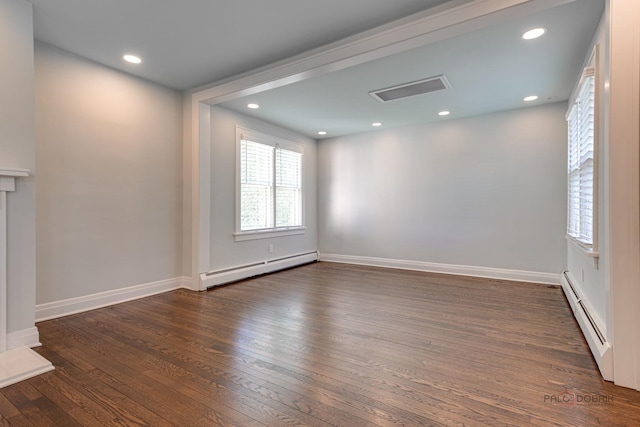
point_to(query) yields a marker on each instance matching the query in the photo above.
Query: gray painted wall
(188, 269)
(109, 152)
(487, 191)
(224, 250)
(17, 150)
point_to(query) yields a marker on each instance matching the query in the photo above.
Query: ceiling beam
(451, 19)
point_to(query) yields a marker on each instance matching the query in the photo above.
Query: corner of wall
(187, 170)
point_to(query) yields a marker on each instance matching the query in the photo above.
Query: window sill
(587, 250)
(242, 236)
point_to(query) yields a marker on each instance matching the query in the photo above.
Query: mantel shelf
(14, 172)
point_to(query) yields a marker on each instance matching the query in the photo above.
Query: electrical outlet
(270, 248)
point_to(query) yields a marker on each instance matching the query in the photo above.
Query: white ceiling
(490, 70)
(190, 43)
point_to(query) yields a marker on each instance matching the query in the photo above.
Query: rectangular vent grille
(432, 84)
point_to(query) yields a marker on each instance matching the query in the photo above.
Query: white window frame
(590, 248)
(275, 231)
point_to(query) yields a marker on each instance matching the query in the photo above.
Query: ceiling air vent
(432, 84)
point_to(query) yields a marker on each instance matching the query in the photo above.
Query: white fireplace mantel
(18, 363)
(8, 178)
(13, 172)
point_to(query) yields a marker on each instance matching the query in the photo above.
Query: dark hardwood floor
(324, 345)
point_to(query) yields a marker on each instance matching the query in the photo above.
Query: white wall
(593, 279)
(187, 187)
(487, 191)
(224, 250)
(109, 153)
(624, 190)
(17, 150)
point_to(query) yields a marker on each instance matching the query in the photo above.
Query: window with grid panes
(581, 161)
(270, 183)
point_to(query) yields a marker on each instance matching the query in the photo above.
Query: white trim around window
(279, 170)
(582, 170)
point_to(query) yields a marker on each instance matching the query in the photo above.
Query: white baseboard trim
(460, 270)
(590, 324)
(187, 283)
(229, 275)
(29, 337)
(66, 307)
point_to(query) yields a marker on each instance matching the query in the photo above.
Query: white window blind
(256, 185)
(288, 188)
(270, 185)
(581, 163)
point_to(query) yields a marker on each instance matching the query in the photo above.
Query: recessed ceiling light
(253, 106)
(530, 98)
(376, 124)
(444, 113)
(132, 59)
(322, 132)
(534, 33)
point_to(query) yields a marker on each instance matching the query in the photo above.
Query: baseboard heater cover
(229, 275)
(600, 347)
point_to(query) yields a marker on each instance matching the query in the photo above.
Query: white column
(624, 184)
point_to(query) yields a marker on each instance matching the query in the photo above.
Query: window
(269, 186)
(581, 162)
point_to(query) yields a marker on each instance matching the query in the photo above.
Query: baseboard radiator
(600, 347)
(229, 275)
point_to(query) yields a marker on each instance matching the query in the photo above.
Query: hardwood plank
(324, 344)
(252, 385)
(390, 384)
(65, 400)
(31, 404)
(255, 368)
(172, 407)
(17, 421)
(7, 409)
